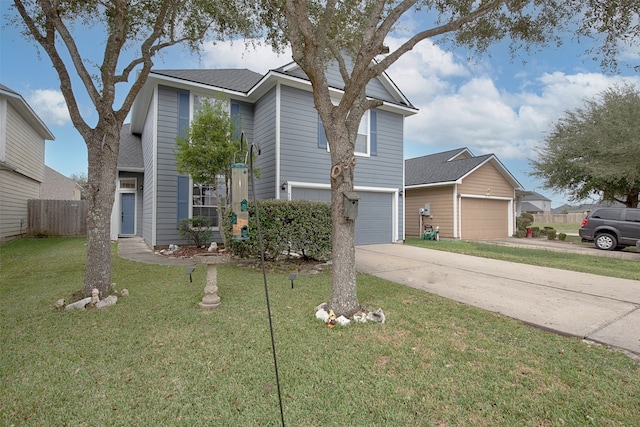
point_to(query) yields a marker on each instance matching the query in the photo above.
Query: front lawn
(594, 264)
(156, 358)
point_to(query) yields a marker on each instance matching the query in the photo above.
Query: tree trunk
(344, 298)
(103, 149)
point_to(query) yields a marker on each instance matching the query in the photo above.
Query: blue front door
(128, 214)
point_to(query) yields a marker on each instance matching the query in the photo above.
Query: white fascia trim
(456, 212)
(480, 196)
(3, 130)
(278, 104)
(154, 150)
(435, 184)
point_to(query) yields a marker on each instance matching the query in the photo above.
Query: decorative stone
(342, 321)
(322, 314)
(124, 292)
(95, 296)
(59, 303)
(108, 301)
(376, 316)
(78, 305)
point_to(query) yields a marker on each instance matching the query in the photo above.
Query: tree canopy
(353, 35)
(594, 151)
(211, 145)
(131, 33)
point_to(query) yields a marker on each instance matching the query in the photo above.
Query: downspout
(456, 213)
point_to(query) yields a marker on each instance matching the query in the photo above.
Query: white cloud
(259, 58)
(462, 107)
(50, 106)
(460, 103)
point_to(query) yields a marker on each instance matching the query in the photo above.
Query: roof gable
(17, 101)
(450, 167)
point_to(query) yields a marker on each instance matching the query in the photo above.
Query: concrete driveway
(598, 308)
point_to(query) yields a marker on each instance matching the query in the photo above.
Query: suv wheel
(606, 242)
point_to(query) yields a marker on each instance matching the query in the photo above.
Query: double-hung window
(367, 139)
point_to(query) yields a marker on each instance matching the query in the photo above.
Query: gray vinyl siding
(166, 172)
(301, 159)
(148, 193)
(166, 187)
(265, 135)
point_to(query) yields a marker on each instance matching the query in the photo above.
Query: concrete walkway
(597, 308)
(135, 249)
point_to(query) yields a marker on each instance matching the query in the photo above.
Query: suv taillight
(585, 221)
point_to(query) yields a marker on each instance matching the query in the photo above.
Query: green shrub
(519, 234)
(523, 221)
(535, 231)
(196, 229)
(562, 236)
(551, 233)
(298, 226)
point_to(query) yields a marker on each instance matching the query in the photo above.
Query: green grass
(156, 358)
(604, 266)
(559, 226)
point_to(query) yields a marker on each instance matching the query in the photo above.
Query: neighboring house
(58, 187)
(22, 143)
(534, 203)
(275, 111)
(467, 196)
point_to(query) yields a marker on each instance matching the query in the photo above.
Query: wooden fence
(568, 218)
(57, 217)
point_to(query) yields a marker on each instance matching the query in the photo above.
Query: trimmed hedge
(288, 226)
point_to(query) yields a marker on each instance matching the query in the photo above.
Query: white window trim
(366, 115)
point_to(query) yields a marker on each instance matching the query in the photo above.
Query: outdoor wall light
(284, 186)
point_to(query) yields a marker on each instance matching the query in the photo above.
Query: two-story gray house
(276, 111)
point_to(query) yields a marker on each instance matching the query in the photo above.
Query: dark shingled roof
(239, 80)
(439, 167)
(130, 154)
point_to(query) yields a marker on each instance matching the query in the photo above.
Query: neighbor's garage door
(375, 213)
(484, 219)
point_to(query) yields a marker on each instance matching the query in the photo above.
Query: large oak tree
(352, 34)
(130, 34)
(594, 151)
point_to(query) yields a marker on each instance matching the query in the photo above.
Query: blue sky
(490, 105)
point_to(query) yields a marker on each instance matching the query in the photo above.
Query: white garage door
(484, 218)
(375, 213)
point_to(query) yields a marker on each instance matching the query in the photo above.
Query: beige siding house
(468, 197)
(22, 141)
(58, 187)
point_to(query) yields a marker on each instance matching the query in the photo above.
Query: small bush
(287, 226)
(196, 229)
(562, 236)
(523, 221)
(551, 233)
(535, 231)
(519, 234)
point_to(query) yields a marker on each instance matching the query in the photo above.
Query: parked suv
(611, 228)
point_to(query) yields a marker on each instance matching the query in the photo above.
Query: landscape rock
(343, 321)
(124, 292)
(59, 303)
(322, 315)
(376, 316)
(108, 301)
(78, 305)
